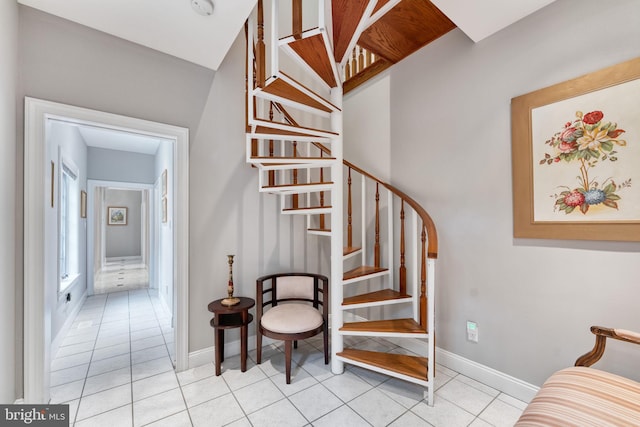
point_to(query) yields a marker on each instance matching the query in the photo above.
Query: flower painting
(586, 140)
(575, 152)
(586, 157)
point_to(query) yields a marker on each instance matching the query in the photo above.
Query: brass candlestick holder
(230, 300)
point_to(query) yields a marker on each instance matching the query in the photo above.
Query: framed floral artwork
(576, 158)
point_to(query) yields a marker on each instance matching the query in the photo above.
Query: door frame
(37, 324)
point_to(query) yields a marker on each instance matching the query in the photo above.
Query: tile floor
(115, 369)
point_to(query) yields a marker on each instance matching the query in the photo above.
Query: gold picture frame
(83, 204)
(164, 183)
(581, 207)
(164, 210)
(53, 180)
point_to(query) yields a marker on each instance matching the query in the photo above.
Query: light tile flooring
(121, 274)
(114, 369)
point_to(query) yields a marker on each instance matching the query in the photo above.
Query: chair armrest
(602, 334)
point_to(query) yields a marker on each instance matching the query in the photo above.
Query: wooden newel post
(403, 267)
(297, 19)
(376, 247)
(349, 213)
(423, 280)
(260, 50)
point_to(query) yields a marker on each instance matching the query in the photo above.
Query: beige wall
(367, 121)
(534, 300)
(8, 83)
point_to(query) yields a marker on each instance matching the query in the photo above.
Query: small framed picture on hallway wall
(83, 204)
(164, 209)
(164, 183)
(116, 215)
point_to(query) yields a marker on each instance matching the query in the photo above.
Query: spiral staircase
(383, 244)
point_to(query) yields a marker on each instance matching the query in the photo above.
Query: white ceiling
(172, 27)
(117, 140)
(479, 19)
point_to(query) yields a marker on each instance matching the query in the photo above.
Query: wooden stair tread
(404, 326)
(349, 249)
(411, 366)
(305, 208)
(376, 296)
(346, 15)
(313, 51)
(282, 88)
(361, 271)
(303, 184)
(325, 230)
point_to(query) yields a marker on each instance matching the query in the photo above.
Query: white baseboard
(55, 344)
(500, 381)
(232, 348)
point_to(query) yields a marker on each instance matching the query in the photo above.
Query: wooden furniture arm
(602, 334)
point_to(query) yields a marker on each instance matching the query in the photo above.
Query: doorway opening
(41, 226)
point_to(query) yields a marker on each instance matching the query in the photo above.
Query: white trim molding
(493, 378)
(499, 380)
(37, 339)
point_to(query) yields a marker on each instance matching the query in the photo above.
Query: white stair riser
(382, 334)
(367, 277)
(308, 211)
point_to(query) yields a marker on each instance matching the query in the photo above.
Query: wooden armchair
(582, 396)
(292, 307)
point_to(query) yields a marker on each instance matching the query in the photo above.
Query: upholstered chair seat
(292, 319)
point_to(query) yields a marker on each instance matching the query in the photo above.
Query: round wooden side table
(228, 317)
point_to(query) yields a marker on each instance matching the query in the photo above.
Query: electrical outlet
(472, 331)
